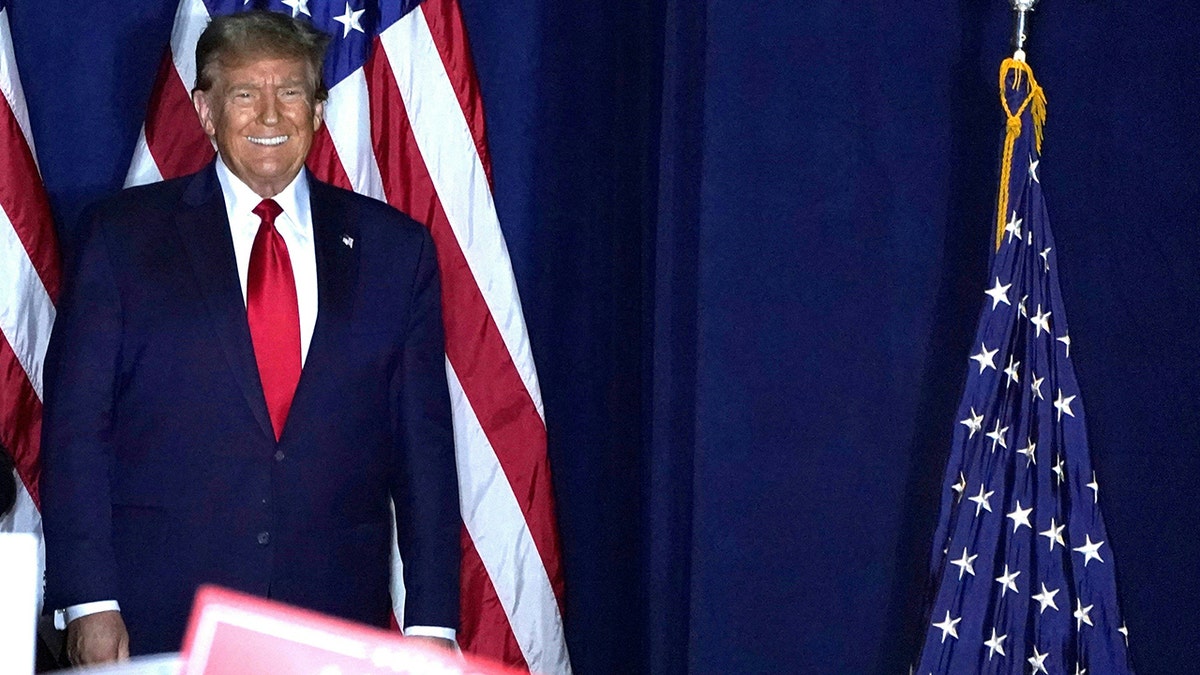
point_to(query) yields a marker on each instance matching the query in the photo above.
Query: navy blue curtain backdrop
(751, 241)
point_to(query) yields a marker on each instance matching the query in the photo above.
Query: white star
(1054, 534)
(974, 423)
(997, 436)
(1081, 614)
(996, 644)
(1064, 405)
(1013, 228)
(981, 500)
(1046, 257)
(964, 564)
(1066, 340)
(1046, 599)
(298, 7)
(1095, 487)
(1042, 321)
(1028, 450)
(1033, 163)
(999, 294)
(1090, 550)
(351, 20)
(1124, 630)
(1059, 469)
(1021, 306)
(1080, 670)
(948, 626)
(1008, 581)
(960, 485)
(1038, 661)
(1020, 517)
(1036, 385)
(1011, 370)
(985, 358)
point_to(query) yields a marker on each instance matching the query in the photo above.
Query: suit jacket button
(279, 455)
(264, 538)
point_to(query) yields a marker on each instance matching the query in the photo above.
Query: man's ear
(204, 111)
(318, 115)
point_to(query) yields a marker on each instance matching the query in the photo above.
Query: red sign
(232, 633)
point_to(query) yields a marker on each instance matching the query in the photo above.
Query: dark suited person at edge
(246, 372)
(8, 482)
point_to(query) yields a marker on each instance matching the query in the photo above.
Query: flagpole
(1021, 10)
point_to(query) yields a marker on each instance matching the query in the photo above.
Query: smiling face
(262, 114)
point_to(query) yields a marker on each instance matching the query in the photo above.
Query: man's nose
(269, 114)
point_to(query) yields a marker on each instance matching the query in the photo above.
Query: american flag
(1022, 566)
(29, 258)
(404, 124)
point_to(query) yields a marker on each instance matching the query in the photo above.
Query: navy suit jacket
(160, 468)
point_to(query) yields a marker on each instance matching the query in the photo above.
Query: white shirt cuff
(432, 631)
(62, 617)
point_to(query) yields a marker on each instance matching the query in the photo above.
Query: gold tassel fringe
(1037, 99)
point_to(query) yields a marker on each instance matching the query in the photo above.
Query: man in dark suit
(246, 373)
(8, 482)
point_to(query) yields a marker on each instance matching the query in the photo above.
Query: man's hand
(435, 642)
(97, 638)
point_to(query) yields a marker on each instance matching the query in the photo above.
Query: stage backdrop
(751, 241)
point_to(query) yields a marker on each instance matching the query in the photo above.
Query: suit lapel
(335, 239)
(204, 228)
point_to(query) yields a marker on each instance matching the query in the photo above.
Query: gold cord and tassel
(1037, 99)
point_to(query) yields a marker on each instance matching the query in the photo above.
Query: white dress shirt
(295, 226)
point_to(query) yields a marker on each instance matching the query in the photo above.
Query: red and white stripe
(29, 258)
(408, 128)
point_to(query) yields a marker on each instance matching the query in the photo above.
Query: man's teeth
(267, 140)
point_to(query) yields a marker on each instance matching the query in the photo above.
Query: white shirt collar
(240, 199)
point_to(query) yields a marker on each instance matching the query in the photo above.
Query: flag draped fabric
(1022, 568)
(404, 124)
(29, 258)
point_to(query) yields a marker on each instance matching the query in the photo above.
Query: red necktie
(274, 315)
